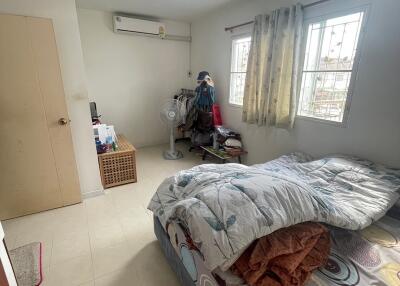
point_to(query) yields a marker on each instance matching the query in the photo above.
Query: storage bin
(118, 167)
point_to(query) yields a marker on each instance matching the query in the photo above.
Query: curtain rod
(251, 22)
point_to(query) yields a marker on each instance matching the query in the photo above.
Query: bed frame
(183, 257)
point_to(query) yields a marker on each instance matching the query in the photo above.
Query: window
(329, 60)
(240, 54)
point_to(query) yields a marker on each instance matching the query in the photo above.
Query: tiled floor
(106, 240)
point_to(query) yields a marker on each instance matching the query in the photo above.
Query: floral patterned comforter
(226, 207)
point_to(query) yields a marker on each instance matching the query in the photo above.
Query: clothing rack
(251, 22)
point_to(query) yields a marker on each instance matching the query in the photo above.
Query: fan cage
(175, 106)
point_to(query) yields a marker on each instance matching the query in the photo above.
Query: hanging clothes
(205, 96)
(191, 113)
(187, 98)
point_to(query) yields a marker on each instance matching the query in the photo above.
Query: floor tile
(72, 220)
(72, 272)
(44, 221)
(106, 240)
(107, 235)
(150, 260)
(11, 227)
(109, 259)
(122, 277)
(46, 276)
(74, 245)
(91, 283)
(139, 233)
(99, 206)
(73, 212)
(10, 240)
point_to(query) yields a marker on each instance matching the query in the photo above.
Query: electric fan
(171, 115)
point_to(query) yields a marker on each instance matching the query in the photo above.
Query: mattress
(366, 257)
(187, 274)
(227, 207)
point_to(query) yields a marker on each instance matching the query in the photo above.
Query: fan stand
(172, 153)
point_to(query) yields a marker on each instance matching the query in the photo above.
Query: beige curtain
(273, 68)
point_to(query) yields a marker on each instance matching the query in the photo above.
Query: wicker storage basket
(118, 167)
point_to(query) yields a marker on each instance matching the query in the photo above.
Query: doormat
(27, 263)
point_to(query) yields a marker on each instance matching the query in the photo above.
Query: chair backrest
(204, 121)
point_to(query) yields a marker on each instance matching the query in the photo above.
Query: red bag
(216, 115)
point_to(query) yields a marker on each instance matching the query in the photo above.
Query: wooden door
(37, 163)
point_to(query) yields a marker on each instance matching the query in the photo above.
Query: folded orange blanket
(286, 257)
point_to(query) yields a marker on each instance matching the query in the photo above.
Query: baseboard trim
(92, 194)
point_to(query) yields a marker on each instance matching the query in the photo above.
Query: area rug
(27, 263)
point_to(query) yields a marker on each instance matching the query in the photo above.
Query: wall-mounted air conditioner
(138, 26)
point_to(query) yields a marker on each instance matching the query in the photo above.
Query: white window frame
(353, 76)
(233, 38)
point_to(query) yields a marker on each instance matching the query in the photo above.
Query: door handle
(63, 121)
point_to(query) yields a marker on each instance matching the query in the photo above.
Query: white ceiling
(182, 10)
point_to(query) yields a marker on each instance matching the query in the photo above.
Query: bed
(367, 257)
(206, 217)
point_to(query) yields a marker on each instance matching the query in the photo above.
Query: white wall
(373, 129)
(63, 14)
(131, 76)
